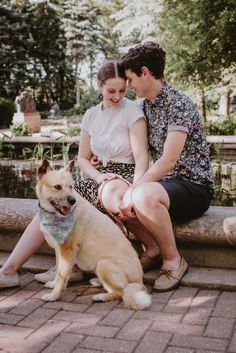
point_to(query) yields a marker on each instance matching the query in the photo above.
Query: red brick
(198, 342)
(179, 328)
(219, 327)
(153, 343)
(197, 316)
(26, 307)
(65, 342)
(159, 316)
(59, 305)
(37, 318)
(106, 344)
(93, 330)
(84, 319)
(118, 317)
(134, 330)
(205, 298)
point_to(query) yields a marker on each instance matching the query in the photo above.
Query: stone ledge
(15, 214)
(202, 241)
(202, 277)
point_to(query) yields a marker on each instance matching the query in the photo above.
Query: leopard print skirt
(88, 188)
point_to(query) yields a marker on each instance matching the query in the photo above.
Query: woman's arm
(139, 144)
(84, 157)
(173, 148)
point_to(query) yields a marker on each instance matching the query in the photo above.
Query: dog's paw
(49, 297)
(95, 282)
(102, 297)
(50, 284)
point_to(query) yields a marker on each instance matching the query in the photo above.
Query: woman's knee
(112, 194)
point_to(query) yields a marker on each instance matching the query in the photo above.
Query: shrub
(221, 126)
(88, 100)
(21, 129)
(7, 109)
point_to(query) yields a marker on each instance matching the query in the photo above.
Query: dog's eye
(58, 187)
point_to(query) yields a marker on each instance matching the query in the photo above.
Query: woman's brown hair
(111, 69)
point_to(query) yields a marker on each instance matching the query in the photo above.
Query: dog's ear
(70, 166)
(45, 166)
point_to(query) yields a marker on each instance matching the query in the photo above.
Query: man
(179, 184)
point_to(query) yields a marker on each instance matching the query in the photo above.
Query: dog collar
(59, 227)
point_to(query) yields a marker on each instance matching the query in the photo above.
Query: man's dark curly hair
(148, 54)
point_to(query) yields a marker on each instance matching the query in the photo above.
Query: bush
(21, 129)
(222, 126)
(88, 100)
(7, 109)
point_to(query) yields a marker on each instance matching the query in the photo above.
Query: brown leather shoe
(170, 278)
(149, 263)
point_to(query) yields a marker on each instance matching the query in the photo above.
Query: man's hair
(148, 54)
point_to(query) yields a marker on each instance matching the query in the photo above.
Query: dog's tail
(135, 297)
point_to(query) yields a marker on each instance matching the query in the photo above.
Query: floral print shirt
(174, 111)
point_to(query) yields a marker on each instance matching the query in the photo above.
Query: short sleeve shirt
(174, 111)
(109, 130)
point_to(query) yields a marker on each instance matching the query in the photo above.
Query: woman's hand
(126, 206)
(105, 177)
(95, 162)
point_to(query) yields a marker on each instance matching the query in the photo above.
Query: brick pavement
(186, 320)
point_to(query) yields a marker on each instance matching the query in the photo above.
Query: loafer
(7, 281)
(149, 263)
(170, 278)
(75, 276)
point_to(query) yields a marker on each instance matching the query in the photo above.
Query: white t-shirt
(109, 130)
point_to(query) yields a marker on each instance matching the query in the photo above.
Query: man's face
(136, 83)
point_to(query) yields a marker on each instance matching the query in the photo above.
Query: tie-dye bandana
(59, 227)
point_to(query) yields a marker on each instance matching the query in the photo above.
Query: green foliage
(21, 129)
(221, 126)
(130, 94)
(88, 99)
(198, 36)
(7, 109)
(73, 131)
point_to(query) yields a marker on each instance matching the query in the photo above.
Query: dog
(82, 235)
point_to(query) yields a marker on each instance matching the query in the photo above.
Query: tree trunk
(224, 101)
(77, 82)
(201, 107)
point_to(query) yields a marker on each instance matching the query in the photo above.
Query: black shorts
(187, 200)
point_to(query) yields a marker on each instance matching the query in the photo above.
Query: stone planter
(33, 119)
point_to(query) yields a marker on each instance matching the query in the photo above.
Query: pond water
(18, 179)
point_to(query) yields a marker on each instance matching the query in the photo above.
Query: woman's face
(113, 91)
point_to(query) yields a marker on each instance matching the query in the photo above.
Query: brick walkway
(187, 320)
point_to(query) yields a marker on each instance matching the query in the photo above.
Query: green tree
(48, 58)
(199, 36)
(14, 39)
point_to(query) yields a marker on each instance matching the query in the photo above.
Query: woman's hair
(111, 69)
(149, 54)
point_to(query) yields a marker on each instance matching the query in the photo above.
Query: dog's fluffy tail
(135, 297)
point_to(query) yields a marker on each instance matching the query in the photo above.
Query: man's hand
(95, 162)
(126, 206)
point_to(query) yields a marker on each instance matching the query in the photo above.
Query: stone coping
(15, 214)
(56, 136)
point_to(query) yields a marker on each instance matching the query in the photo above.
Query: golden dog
(91, 240)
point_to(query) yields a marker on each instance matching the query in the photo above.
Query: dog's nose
(71, 200)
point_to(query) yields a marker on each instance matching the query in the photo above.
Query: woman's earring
(100, 96)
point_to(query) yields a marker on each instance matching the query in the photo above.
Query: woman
(115, 130)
